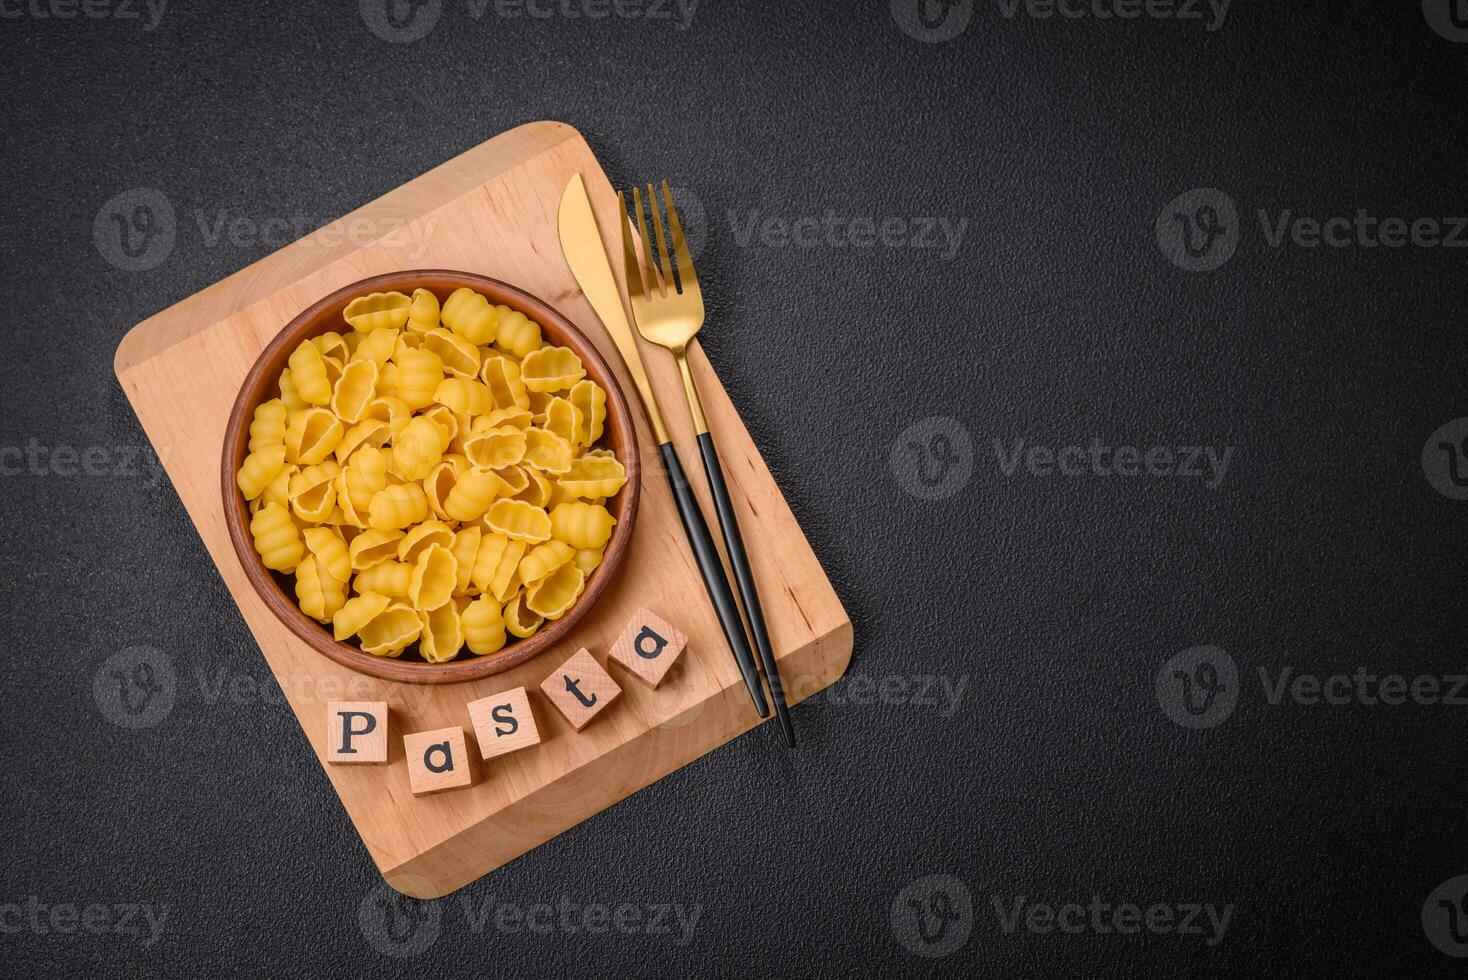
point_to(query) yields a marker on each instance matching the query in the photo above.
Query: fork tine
(686, 275)
(634, 275)
(654, 274)
(666, 267)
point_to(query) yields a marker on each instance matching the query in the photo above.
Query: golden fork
(669, 313)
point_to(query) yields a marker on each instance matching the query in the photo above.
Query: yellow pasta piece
(390, 578)
(377, 346)
(504, 418)
(354, 390)
(356, 613)
(319, 595)
(419, 372)
(267, 425)
(332, 344)
(543, 559)
(502, 375)
(551, 369)
(464, 396)
(364, 476)
(308, 374)
(372, 432)
(418, 448)
(259, 468)
(311, 436)
(484, 626)
(521, 521)
(443, 634)
(445, 421)
(469, 315)
(377, 311)
(591, 400)
(519, 620)
(276, 538)
(313, 491)
(278, 491)
(396, 506)
(555, 593)
(373, 546)
(439, 483)
(517, 334)
(547, 451)
(421, 537)
(330, 551)
(472, 494)
(564, 419)
(495, 448)
(387, 633)
(466, 550)
(390, 409)
(423, 311)
(289, 396)
(587, 559)
(459, 357)
(537, 487)
(582, 525)
(594, 476)
(435, 574)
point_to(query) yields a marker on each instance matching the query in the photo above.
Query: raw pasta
(429, 474)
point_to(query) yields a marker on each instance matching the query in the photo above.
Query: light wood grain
(356, 732)
(503, 723)
(649, 647)
(492, 211)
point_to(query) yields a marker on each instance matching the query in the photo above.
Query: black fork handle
(712, 570)
(744, 578)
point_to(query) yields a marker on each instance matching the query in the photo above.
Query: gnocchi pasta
(429, 477)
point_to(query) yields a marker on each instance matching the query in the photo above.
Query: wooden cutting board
(493, 210)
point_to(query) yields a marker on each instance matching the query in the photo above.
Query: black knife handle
(744, 578)
(712, 570)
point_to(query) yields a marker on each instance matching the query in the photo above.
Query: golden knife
(586, 254)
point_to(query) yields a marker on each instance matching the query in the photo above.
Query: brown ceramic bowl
(278, 591)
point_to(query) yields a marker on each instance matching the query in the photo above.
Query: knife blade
(586, 254)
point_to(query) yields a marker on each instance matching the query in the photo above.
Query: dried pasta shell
(390, 578)
(311, 436)
(372, 432)
(418, 448)
(591, 399)
(497, 564)
(582, 525)
(354, 390)
(518, 334)
(543, 559)
(390, 409)
(387, 633)
(483, 622)
(469, 315)
(594, 476)
(276, 538)
(365, 475)
(330, 551)
(308, 374)
(435, 575)
(466, 550)
(502, 375)
(537, 487)
(556, 592)
(564, 419)
(464, 396)
(377, 346)
(396, 506)
(521, 521)
(587, 559)
(519, 620)
(373, 546)
(332, 344)
(472, 494)
(278, 491)
(443, 635)
(356, 613)
(551, 369)
(289, 396)
(420, 538)
(267, 425)
(313, 491)
(496, 448)
(423, 311)
(318, 594)
(459, 357)
(419, 372)
(547, 451)
(376, 311)
(439, 483)
(259, 468)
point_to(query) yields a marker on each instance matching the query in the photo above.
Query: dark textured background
(1057, 776)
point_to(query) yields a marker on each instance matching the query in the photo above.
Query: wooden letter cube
(437, 760)
(503, 723)
(580, 688)
(648, 647)
(356, 731)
